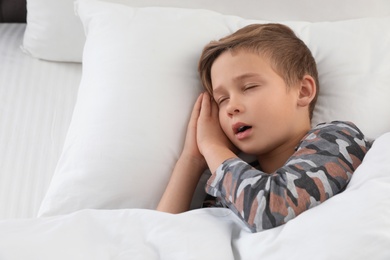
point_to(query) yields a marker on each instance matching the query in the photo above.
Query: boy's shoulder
(336, 138)
(334, 131)
(336, 124)
(345, 127)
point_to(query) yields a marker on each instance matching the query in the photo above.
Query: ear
(307, 91)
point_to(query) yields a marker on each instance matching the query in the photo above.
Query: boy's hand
(190, 150)
(188, 169)
(212, 141)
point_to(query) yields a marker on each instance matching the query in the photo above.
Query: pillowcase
(140, 81)
(54, 33)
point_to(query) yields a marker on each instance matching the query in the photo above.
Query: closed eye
(221, 100)
(249, 87)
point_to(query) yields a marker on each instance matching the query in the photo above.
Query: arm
(181, 187)
(320, 168)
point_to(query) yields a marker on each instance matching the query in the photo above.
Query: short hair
(289, 56)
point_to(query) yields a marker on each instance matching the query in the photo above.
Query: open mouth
(241, 129)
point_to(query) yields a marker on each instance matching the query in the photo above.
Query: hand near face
(205, 143)
(209, 132)
(190, 149)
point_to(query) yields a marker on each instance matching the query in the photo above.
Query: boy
(262, 86)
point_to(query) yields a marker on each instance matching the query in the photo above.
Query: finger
(206, 105)
(212, 105)
(197, 106)
(214, 109)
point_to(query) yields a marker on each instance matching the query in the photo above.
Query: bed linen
(36, 104)
(140, 66)
(352, 225)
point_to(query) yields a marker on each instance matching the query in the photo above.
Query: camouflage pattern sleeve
(320, 168)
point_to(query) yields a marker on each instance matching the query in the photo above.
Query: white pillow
(54, 32)
(140, 81)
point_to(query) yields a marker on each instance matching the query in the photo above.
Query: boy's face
(257, 111)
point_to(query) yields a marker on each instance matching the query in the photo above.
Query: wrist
(196, 163)
(182, 184)
(216, 155)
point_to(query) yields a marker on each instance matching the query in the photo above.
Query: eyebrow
(239, 78)
(246, 75)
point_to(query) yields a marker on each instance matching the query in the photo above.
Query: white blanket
(352, 225)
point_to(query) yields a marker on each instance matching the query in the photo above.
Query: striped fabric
(36, 104)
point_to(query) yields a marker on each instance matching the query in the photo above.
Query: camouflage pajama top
(320, 168)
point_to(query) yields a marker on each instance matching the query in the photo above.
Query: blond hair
(289, 56)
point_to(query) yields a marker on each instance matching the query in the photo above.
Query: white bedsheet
(36, 105)
(352, 225)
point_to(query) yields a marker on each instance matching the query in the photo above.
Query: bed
(95, 99)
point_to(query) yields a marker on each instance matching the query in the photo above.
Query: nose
(234, 106)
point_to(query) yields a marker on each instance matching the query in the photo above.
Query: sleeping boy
(261, 88)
